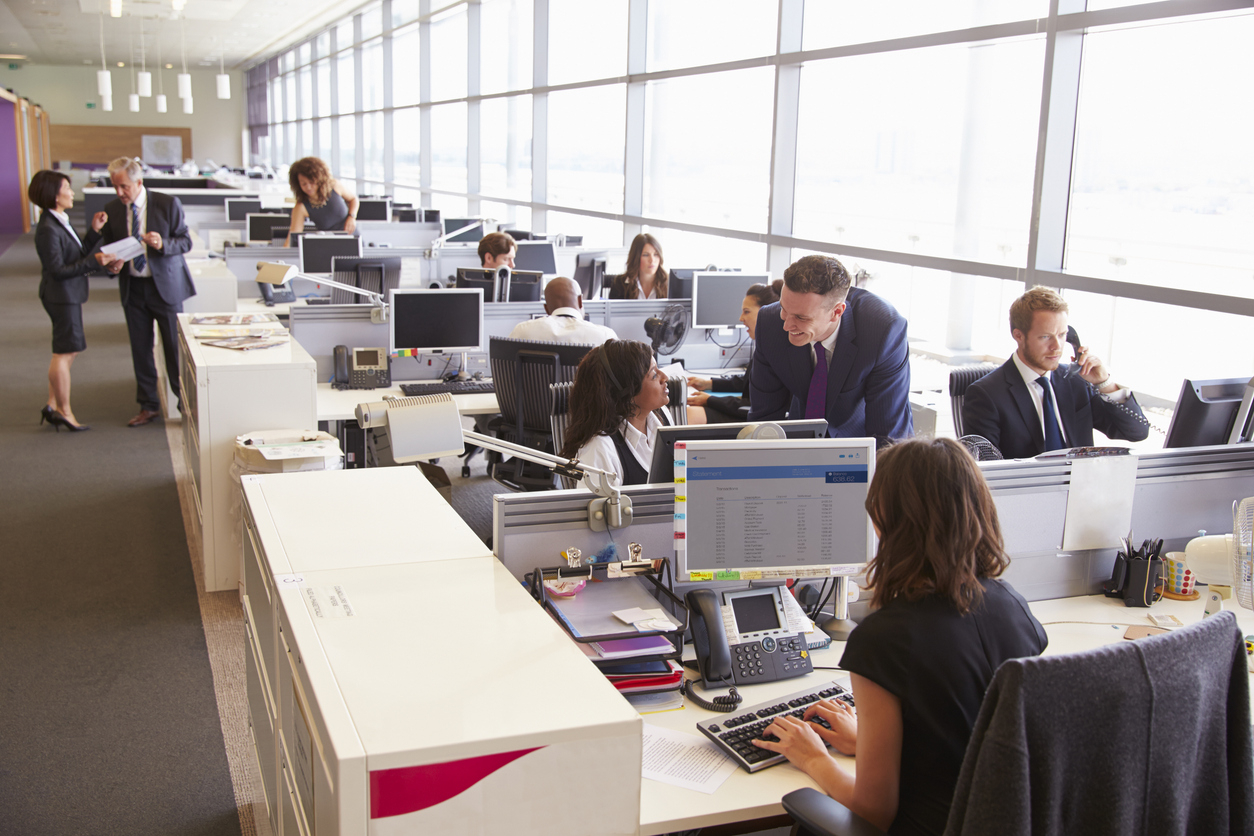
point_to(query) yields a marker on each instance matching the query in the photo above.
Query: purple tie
(816, 401)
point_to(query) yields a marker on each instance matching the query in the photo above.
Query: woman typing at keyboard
(922, 660)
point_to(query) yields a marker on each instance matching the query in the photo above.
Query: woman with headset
(616, 406)
(940, 626)
(713, 409)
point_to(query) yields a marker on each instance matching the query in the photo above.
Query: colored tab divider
(405, 352)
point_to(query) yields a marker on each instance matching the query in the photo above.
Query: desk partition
(1177, 493)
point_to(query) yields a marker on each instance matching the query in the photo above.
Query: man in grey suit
(153, 285)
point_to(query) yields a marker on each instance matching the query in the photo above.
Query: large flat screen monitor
(238, 208)
(763, 510)
(537, 256)
(1207, 411)
(716, 297)
(316, 251)
(368, 273)
(470, 236)
(261, 226)
(374, 209)
(662, 468)
(590, 273)
(524, 286)
(436, 320)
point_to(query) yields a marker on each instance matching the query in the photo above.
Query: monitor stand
(461, 372)
(840, 625)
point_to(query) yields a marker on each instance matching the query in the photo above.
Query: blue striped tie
(139, 262)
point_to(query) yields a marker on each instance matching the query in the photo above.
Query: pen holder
(1143, 579)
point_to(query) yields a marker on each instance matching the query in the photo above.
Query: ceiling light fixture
(161, 103)
(185, 80)
(115, 8)
(132, 101)
(145, 77)
(224, 80)
(104, 78)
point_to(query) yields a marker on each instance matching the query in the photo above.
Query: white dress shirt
(564, 325)
(829, 345)
(141, 206)
(1038, 395)
(600, 452)
(65, 222)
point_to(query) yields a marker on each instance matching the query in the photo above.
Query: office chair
(677, 390)
(960, 378)
(522, 371)
(1145, 736)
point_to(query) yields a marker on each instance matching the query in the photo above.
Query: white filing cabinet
(227, 393)
(442, 699)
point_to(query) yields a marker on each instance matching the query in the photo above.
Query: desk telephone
(276, 294)
(746, 643)
(367, 368)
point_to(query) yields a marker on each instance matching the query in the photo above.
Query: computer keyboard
(735, 734)
(453, 387)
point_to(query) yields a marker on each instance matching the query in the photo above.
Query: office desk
(338, 404)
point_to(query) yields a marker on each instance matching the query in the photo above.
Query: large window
(949, 153)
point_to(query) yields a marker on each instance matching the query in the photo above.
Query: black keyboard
(453, 387)
(735, 734)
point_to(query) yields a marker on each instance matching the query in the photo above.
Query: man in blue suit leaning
(826, 350)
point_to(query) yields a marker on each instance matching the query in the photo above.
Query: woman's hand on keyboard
(843, 736)
(796, 740)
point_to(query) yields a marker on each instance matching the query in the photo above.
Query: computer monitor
(470, 236)
(538, 256)
(770, 510)
(1207, 411)
(662, 468)
(238, 208)
(436, 320)
(716, 297)
(261, 226)
(590, 273)
(405, 216)
(524, 285)
(374, 209)
(368, 273)
(316, 251)
(431, 216)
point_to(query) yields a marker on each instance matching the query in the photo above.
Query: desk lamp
(429, 426)
(274, 272)
(443, 239)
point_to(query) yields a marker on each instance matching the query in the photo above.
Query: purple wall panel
(10, 186)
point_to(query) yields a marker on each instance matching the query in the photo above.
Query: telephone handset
(362, 368)
(749, 644)
(1074, 368)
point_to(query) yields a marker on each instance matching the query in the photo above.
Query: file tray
(589, 615)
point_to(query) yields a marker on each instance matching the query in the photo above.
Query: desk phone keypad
(369, 379)
(768, 660)
(735, 735)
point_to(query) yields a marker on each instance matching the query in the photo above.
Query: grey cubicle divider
(1178, 492)
(407, 235)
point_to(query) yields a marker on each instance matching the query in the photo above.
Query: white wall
(65, 91)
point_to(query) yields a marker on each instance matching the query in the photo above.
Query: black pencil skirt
(67, 327)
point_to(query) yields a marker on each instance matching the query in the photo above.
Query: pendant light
(132, 101)
(185, 80)
(104, 78)
(161, 103)
(224, 80)
(145, 77)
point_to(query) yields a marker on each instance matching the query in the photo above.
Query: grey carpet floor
(108, 721)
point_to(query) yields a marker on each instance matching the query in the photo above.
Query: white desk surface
(1072, 624)
(338, 404)
(207, 356)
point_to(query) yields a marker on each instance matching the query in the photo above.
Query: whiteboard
(161, 150)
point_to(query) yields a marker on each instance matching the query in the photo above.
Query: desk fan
(668, 330)
(1227, 559)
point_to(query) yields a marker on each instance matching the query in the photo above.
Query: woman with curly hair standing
(320, 198)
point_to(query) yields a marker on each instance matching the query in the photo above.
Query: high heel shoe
(46, 414)
(58, 420)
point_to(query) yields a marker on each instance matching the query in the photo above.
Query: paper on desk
(645, 620)
(684, 760)
(125, 248)
(674, 370)
(798, 621)
(1099, 502)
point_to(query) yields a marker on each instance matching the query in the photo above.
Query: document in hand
(124, 248)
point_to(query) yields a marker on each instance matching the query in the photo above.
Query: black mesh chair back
(959, 379)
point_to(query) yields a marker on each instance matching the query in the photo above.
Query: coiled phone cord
(725, 703)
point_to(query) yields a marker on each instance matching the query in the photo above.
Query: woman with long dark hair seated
(616, 406)
(726, 409)
(645, 277)
(922, 660)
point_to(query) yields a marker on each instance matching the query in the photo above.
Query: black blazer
(618, 289)
(868, 382)
(999, 407)
(730, 405)
(65, 262)
(169, 269)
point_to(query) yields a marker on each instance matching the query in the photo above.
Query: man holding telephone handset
(1032, 405)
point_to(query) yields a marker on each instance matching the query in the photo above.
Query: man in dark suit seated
(152, 285)
(826, 350)
(1030, 405)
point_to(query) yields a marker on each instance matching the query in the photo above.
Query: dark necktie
(139, 262)
(816, 400)
(1053, 435)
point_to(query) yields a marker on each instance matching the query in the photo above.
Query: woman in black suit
(645, 277)
(66, 261)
